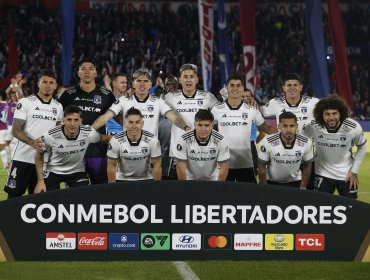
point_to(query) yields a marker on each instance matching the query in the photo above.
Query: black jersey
(93, 104)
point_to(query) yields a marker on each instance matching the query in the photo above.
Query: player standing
(234, 118)
(34, 115)
(94, 100)
(334, 135)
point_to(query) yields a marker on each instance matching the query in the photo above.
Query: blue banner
(68, 19)
(224, 52)
(316, 49)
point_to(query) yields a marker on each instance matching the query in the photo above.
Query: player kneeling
(65, 148)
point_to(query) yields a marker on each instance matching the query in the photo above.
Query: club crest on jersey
(298, 153)
(55, 111)
(82, 143)
(304, 110)
(343, 138)
(97, 99)
(200, 102)
(150, 108)
(244, 116)
(212, 151)
(144, 150)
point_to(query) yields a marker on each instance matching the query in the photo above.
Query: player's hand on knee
(352, 180)
(40, 187)
(38, 145)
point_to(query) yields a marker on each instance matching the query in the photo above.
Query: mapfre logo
(92, 241)
(310, 242)
(60, 241)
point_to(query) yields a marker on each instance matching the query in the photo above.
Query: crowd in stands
(124, 42)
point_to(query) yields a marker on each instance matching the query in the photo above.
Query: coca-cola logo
(92, 241)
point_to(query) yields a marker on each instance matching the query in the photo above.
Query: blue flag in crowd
(224, 52)
(68, 16)
(316, 49)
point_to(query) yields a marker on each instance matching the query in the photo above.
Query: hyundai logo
(186, 239)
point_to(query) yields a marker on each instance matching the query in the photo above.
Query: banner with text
(173, 220)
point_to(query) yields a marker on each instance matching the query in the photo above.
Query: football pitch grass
(201, 269)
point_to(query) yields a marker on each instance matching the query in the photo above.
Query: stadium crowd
(163, 41)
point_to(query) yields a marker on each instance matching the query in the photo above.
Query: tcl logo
(92, 241)
(310, 242)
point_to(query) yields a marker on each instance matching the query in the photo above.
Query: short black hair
(133, 111)
(204, 115)
(88, 60)
(72, 109)
(116, 75)
(235, 77)
(292, 76)
(48, 72)
(287, 115)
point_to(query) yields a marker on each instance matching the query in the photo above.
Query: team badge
(200, 102)
(55, 111)
(19, 105)
(212, 151)
(150, 108)
(304, 110)
(144, 150)
(244, 116)
(179, 147)
(97, 99)
(343, 138)
(298, 153)
(82, 143)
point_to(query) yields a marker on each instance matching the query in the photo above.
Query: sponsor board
(186, 241)
(279, 242)
(248, 241)
(217, 241)
(310, 242)
(155, 241)
(60, 241)
(92, 241)
(123, 241)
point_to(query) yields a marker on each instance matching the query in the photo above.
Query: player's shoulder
(350, 124)
(154, 98)
(302, 139)
(216, 135)
(146, 136)
(274, 101)
(203, 93)
(70, 90)
(55, 132)
(120, 137)
(273, 138)
(172, 94)
(309, 99)
(220, 106)
(103, 90)
(188, 135)
(86, 129)
(55, 102)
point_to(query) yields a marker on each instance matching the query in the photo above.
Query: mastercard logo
(217, 241)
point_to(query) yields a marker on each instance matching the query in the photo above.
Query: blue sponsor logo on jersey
(123, 241)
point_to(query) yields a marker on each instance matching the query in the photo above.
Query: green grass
(166, 270)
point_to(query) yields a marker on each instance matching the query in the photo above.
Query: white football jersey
(40, 116)
(150, 108)
(303, 110)
(334, 157)
(235, 125)
(65, 155)
(187, 107)
(134, 159)
(202, 158)
(283, 162)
